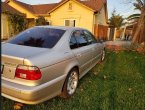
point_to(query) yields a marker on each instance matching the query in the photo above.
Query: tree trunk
(140, 26)
(142, 35)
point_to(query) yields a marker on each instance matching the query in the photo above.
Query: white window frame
(70, 20)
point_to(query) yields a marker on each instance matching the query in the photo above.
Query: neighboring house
(128, 29)
(6, 28)
(89, 14)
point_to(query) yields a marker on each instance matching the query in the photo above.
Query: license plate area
(8, 72)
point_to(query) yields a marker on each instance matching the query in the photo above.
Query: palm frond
(134, 18)
(140, 2)
(137, 6)
(134, 15)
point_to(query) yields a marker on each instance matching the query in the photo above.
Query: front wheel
(70, 84)
(103, 55)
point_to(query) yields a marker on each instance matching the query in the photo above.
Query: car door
(81, 49)
(96, 46)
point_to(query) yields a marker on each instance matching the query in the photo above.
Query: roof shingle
(96, 5)
(24, 5)
(43, 9)
(6, 7)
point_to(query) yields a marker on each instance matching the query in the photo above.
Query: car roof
(60, 27)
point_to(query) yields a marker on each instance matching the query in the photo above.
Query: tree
(41, 21)
(116, 20)
(18, 22)
(139, 35)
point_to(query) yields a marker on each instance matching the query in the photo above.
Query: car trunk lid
(14, 55)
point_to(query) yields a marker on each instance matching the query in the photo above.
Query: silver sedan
(45, 61)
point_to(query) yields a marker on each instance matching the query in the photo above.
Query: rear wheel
(70, 84)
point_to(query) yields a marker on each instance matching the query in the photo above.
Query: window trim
(9, 41)
(91, 35)
(76, 40)
(70, 20)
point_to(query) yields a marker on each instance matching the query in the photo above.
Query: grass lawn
(116, 84)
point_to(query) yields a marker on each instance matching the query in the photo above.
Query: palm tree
(139, 35)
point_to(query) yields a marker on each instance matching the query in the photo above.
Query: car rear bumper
(32, 95)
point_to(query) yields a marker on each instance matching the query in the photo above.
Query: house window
(70, 23)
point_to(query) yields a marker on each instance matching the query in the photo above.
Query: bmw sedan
(46, 61)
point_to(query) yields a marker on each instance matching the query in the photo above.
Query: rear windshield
(38, 37)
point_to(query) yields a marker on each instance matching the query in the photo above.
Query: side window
(90, 37)
(73, 43)
(80, 38)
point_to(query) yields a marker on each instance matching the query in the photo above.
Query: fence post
(114, 37)
(108, 34)
(123, 35)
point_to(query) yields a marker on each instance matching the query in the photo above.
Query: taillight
(28, 72)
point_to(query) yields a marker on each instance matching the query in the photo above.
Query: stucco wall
(7, 30)
(100, 17)
(82, 15)
(4, 26)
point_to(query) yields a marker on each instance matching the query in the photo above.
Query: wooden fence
(101, 32)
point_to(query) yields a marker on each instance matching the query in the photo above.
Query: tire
(103, 55)
(70, 84)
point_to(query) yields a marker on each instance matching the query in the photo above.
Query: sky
(123, 7)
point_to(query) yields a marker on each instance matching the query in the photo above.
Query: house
(128, 29)
(89, 14)
(6, 29)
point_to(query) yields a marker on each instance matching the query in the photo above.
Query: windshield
(38, 37)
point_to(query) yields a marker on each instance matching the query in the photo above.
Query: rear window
(38, 37)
